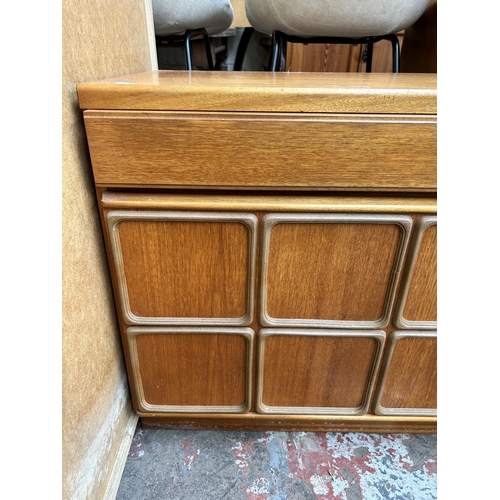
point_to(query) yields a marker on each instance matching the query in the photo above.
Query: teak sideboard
(271, 240)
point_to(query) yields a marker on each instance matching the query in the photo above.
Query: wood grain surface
(239, 136)
(335, 271)
(190, 369)
(176, 269)
(410, 380)
(316, 57)
(330, 57)
(230, 150)
(421, 301)
(193, 369)
(317, 371)
(252, 421)
(264, 91)
(261, 201)
(299, 373)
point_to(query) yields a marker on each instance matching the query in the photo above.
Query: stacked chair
(332, 21)
(185, 20)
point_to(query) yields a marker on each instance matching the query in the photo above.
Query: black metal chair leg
(187, 37)
(282, 55)
(208, 49)
(242, 48)
(395, 52)
(273, 52)
(278, 48)
(369, 57)
(187, 50)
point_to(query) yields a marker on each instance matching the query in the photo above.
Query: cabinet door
(417, 302)
(191, 369)
(317, 371)
(408, 384)
(331, 270)
(184, 267)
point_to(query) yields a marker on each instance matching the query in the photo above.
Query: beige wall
(240, 17)
(101, 39)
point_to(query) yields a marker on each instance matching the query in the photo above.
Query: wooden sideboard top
(387, 93)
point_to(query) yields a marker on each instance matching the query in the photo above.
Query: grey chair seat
(333, 18)
(175, 17)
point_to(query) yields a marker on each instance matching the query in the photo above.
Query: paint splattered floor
(201, 465)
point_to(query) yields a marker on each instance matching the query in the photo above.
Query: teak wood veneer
(272, 242)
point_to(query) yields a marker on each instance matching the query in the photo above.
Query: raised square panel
(331, 270)
(191, 369)
(191, 268)
(319, 372)
(408, 384)
(416, 307)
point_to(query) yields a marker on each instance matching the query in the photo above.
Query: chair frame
(279, 39)
(186, 39)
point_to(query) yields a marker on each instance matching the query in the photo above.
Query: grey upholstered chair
(181, 20)
(333, 21)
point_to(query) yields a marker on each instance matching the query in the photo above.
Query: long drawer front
(268, 151)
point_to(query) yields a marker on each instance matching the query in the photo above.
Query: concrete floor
(200, 465)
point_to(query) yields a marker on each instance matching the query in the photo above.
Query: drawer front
(191, 369)
(331, 270)
(184, 267)
(408, 382)
(317, 371)
(265, 151)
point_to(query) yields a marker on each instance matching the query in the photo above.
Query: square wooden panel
(190, 268)
(331, 270)
(317, 371)
(191, 369)
(408, 383)
(416, 306)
